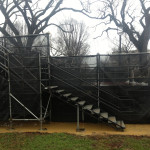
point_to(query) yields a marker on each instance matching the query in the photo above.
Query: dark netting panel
(81, 67)
(112, 80)
(27, 57)
(4, 106)
(30, 100)
(25, 83)
(129, 69)
(127, 77)
(79, 73)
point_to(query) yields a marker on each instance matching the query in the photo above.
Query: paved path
(90, 128)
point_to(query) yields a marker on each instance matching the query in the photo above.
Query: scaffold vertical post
(98, 79)
(5, 62)
(48, 56)
(78, 118)
(49, 73)
(9, 90)
(82, 115)
(41, 117)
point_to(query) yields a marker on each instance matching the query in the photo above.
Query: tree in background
(74, 42)
(132, 17)
(35, 14)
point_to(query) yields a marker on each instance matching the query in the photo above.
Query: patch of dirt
(115, 145)
(91, 129)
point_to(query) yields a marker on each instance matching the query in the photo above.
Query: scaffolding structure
(107, 81)
(23, 68)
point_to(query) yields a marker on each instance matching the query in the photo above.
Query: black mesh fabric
(24, 68)
(122, 82)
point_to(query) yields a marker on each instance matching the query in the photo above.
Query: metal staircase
(87, 107)
(90, 105)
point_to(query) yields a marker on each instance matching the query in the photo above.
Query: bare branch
(60, 27)
(23, 12)
(124, 4)
(142, 4)
(106, 30)
(43, 11)
(141, 21)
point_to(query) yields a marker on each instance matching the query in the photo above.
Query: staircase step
(96, 110)
(67, 95)
(81, 103)
(59, 91)
(120, 123)
(112, 119)
(87, 107)
(50, 87)
(74, 99)
(104, 115)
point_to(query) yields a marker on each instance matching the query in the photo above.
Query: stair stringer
(88, 108)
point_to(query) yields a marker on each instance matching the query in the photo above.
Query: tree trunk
(30, 42)
(143, 44)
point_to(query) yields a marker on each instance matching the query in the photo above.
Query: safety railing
(92, 97)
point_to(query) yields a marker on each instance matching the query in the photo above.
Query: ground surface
(63, 136)
(90, 128)
(64, 141)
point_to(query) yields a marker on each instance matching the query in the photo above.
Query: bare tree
(133, 17)
(74, 42)
(35, 14)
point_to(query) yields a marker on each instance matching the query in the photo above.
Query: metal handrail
(4, 68)
(100, 90)
(106, 104)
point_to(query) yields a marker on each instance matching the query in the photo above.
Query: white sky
(100, 45)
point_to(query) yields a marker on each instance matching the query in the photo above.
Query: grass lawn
(62, 141)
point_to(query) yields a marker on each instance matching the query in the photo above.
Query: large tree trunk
(143, 44)
(30, 42)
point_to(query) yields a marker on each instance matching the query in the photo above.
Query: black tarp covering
(4, 105)
(24, 65)
(122, 79)
(25, 83)
(24, 86)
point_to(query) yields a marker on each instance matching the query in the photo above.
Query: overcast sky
(100, 45)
